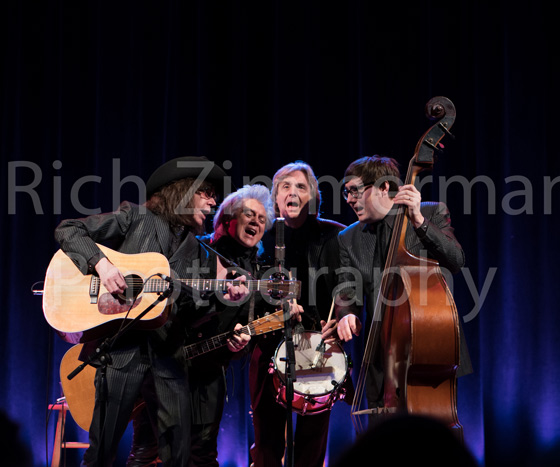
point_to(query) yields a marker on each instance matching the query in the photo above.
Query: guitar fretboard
(156, 286)
(221, 285)
(205, 285)
(213, 343)
(260, 326)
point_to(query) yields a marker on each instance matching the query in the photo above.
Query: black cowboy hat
(186, 167)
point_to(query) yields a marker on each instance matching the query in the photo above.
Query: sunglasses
(207, 193)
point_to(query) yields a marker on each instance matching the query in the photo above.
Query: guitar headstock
(283, 288)
(268, 323)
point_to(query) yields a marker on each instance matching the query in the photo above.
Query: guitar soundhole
(134, 288)
(110, 304)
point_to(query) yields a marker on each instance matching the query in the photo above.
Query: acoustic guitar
(80, 390)
(80, 309)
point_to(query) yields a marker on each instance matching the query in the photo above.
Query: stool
(59, 443)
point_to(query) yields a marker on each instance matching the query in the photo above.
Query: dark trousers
(269, 422)
(144, 451)
(204, 445)
(168, 399)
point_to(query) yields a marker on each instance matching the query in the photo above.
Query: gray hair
(233, 203)
(315, 201)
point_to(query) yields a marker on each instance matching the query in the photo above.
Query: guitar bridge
(94, 290)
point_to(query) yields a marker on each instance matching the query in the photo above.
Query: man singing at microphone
(310, 245)
(147, 364)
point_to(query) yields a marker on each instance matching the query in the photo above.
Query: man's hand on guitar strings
(236, 293)
(238, 341)
(110, 276)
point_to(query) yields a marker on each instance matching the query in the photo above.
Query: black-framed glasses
(355, 191)
(208, 193)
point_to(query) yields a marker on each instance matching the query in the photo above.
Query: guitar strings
(154, 285)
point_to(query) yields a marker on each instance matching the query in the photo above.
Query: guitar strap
(228, 261)
(252, 301)
(251, 315)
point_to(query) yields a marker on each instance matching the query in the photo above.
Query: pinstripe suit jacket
(132, 229)
(357, 247)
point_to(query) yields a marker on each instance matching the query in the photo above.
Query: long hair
(174, 203)
(315, 201)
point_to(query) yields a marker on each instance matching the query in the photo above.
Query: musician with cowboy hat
(147, 364)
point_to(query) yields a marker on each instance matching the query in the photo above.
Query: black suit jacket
(315, 246)
(436, 241)
(313, 251)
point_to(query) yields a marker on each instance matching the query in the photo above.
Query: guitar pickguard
(110, 305)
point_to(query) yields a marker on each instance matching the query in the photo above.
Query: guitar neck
(220, 285)
(260, 326)
(194, 350)
(208, 285)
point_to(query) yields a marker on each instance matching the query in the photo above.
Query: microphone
(171, 286)
(280, 249)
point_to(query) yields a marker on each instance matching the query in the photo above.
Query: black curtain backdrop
(96, 95)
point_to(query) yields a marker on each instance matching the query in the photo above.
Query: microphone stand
(100, 354)
(290, 359)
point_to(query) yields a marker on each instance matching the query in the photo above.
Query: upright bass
(415, 325)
